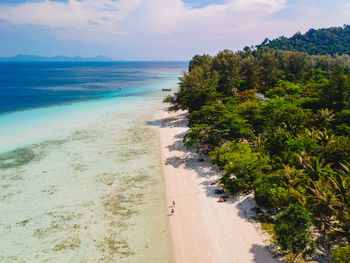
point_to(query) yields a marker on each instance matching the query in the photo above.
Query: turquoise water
(83, 182)
(26, 85)
(23, 127)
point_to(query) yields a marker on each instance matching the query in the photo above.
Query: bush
(293, 231)
(343, 117)
(242, 165)
(276, 91)
(342, 130)
(302, 144)
(269, 193)
(292, 89)
(341, 255)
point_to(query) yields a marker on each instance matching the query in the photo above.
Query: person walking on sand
(174, 203)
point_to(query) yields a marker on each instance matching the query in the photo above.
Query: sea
(81, 175)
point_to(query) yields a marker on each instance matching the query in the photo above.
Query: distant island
(33, 58)
(334, 40)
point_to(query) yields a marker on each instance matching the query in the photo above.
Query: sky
(156, 29)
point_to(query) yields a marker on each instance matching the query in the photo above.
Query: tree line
(334, 40)
(277, 123)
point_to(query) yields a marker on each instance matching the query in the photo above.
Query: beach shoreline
(203, 230)
(88, 192)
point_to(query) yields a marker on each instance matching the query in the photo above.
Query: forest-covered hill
(334, 40)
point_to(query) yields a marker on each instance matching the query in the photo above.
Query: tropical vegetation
(324, 41)
(278, 123)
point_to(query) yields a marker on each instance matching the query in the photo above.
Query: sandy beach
(202, 229)
(92, 190)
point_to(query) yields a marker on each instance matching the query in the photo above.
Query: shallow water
(25, 85)
(88, 187)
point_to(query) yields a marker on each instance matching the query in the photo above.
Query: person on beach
(172, 211)
(174, 203)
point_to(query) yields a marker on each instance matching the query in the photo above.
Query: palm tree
(326, 114)
(291, 175)
(311, 133)
(324, 205)
(341, 185)
(341, 232)
(293, 179)
(303, 158)
(312, 165)
(324, 117)
(325, 137)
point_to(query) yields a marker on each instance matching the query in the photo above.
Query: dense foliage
(341, 255)
(278, 123)
(293, 231)
(334, 40)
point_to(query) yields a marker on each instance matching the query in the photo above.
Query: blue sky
(156, 29)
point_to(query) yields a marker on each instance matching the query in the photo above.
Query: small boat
(166, 89)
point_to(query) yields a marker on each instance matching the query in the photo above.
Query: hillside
(334, 40)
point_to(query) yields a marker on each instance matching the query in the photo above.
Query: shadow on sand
(208, 174)
(206, 171)
(178, 121)
(259, 251)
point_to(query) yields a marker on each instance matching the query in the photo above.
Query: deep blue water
(25, 85)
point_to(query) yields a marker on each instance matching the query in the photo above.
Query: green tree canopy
(241, 165)
(213, 125)
(334, 40)
(341, 255)
(199, 61)
(196, 89)
(228, 66)
(293, 231)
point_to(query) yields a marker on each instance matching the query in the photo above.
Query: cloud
(347, 8)
(74, 15)
(270, 6)
(87, 17)
(151, 27)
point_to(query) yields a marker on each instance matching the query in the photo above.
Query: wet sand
(92, 191)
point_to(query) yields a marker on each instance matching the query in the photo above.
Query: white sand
(94, 193)
(202, 229)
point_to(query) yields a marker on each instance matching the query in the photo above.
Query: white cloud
(270, 6)
(347, 9)
(73, 16)
(168, 26)
(87, 17)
